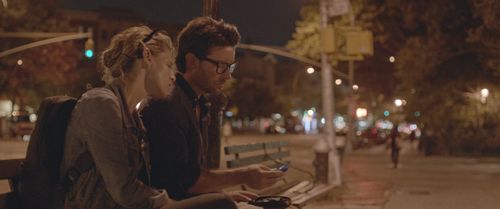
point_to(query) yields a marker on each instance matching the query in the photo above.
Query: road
(370, 182)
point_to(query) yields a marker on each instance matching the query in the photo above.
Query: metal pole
(270, 49)
(211, 8)
(350, 109)
(219, 102)
(328, 102)
(45, 42)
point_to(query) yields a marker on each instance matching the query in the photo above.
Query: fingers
(273, 173)
(265, 168)
(249, 195)
(242, 196)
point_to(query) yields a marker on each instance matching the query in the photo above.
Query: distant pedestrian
(412, 139)
(395, 147)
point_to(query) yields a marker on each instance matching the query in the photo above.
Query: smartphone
(282, 168)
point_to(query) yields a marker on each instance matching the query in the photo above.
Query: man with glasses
(177, 127)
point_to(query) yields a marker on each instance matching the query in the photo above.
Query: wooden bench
(273, 154)
(9, 170)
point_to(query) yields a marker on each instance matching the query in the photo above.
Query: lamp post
(295, 81)
(482, 96)
(211, 8)
(334, 174)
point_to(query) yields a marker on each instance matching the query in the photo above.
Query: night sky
(264, 22)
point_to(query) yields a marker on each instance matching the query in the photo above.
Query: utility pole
(211, 8)
(218, 103)
(351, 120)
(328, 103)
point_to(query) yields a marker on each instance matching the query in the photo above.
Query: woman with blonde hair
(105, 129)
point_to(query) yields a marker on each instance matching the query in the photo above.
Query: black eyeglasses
(222, 67)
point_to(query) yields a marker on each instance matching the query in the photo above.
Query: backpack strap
(83, 163)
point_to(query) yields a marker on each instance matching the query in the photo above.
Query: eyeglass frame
(230, 66)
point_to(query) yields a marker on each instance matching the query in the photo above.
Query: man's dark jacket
(178, 150)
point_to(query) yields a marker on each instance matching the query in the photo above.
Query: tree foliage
(448, 52)
(46, 70)
(306, 39)
(373, 75)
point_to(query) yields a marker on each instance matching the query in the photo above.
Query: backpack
(40, 184)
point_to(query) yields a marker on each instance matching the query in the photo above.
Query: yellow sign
(359, 42)
(328, 40)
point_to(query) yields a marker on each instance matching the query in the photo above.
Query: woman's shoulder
(98, 97)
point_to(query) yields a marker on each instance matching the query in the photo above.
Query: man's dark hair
(201, 34)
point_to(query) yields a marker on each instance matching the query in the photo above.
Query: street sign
(344, 57)
(338, 7)
(359, 43)
(328, 39)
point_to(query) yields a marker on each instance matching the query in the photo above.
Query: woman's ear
(146, 53)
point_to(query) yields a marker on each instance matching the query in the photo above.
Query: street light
(398, 102)
(19, 62)
(297, 76)
(310, 70)
(338, 81)
(355, 87)
(392, 59)
(484, 94)
(361, 112)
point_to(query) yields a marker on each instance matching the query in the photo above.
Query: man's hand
(261, 176)
(241, 196)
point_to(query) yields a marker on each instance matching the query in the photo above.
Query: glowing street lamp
(484, 94)
(338, 81)
(398, 102)
(310, 70)
(392, 59)
(19, 62)
(355, 87)
(361, 112)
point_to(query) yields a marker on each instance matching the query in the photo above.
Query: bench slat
(318, 191)
(10, 168)
(253, 147)
(256, 159)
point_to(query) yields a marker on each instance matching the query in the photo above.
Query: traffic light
(89, 48)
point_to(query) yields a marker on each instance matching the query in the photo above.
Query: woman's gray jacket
(102, 125)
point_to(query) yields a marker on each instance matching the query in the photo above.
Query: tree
(46, 70)
(253, 89)
(374, 74)
(448, 52)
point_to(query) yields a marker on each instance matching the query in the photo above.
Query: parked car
(20, 124)
(275, 129)
(375, 135)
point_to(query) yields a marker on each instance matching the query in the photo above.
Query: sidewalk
(370, 182)
(421, 182)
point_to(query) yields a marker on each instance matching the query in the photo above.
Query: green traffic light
(89, 53)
